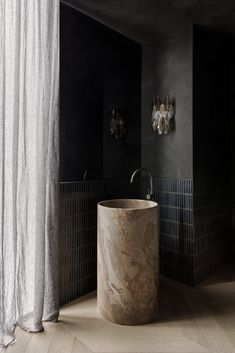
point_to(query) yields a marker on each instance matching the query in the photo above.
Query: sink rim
(152, 204)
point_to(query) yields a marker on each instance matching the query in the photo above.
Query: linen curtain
(29, 86)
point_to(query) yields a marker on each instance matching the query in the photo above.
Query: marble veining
(128, 261)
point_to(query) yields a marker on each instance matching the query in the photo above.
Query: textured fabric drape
(29, 85)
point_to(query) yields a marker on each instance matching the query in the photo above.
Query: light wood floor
(191, 320)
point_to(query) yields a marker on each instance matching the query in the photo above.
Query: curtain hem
(54, 319)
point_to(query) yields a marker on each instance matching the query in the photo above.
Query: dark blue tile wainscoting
(196, 227)
(175, 197)
(212, 225)
(78, 238)
(78, 228)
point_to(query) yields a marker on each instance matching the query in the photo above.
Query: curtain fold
(29, 161)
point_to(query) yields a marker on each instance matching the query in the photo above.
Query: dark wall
(81, 98)
(211, 104)
(231, 47)
(122, 88)
(167, 71)
(99, 69)
(232, 104)
(213, 147)
(232, 109)
(195, 162)
(196, 69)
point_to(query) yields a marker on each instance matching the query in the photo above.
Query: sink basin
(128, 204)
(128, 260)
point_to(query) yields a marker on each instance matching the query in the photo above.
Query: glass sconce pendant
(162, 115)
(117, 125)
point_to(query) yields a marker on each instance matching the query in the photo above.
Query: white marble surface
(128, 261)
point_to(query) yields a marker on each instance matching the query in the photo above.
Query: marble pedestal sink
(128, 261)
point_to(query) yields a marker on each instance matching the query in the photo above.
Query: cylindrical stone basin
(128, 261)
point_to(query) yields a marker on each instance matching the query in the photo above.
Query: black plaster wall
(99, 69)
(122, 88)
(196, 68)
(231, 47)
(213, 148)
(167, 71)
(211, 104)
(81, 98)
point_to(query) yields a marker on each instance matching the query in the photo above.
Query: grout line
(176, 222)
(177, 208)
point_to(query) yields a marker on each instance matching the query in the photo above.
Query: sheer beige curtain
(29, 90)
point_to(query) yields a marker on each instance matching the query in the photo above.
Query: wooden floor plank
(138, 344)
(79, 347)
(212, 331)
(190, 320)
(22, 340)
(62, 341)
(40, 342)
(224, 314)
(186, 322)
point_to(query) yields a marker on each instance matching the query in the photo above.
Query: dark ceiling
(216, 13)
(142, 20)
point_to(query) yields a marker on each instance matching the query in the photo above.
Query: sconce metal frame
(117, 125)
(162, 115)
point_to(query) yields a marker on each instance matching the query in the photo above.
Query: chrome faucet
(90, 170)
(149, 195)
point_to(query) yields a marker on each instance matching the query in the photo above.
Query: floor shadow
(215, 297)
(224, 274)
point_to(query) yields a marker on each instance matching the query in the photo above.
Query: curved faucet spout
(146, 171)
(90, 170)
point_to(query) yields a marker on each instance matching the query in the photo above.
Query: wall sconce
(162, 116)
(117, 125)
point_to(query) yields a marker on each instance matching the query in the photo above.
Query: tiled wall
(78, 238)
(176, 227)
(212, 225)
(78, 218)
(175, 197)
(195, 228)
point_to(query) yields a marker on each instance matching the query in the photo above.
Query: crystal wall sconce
(162, 116)
(117, 125)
